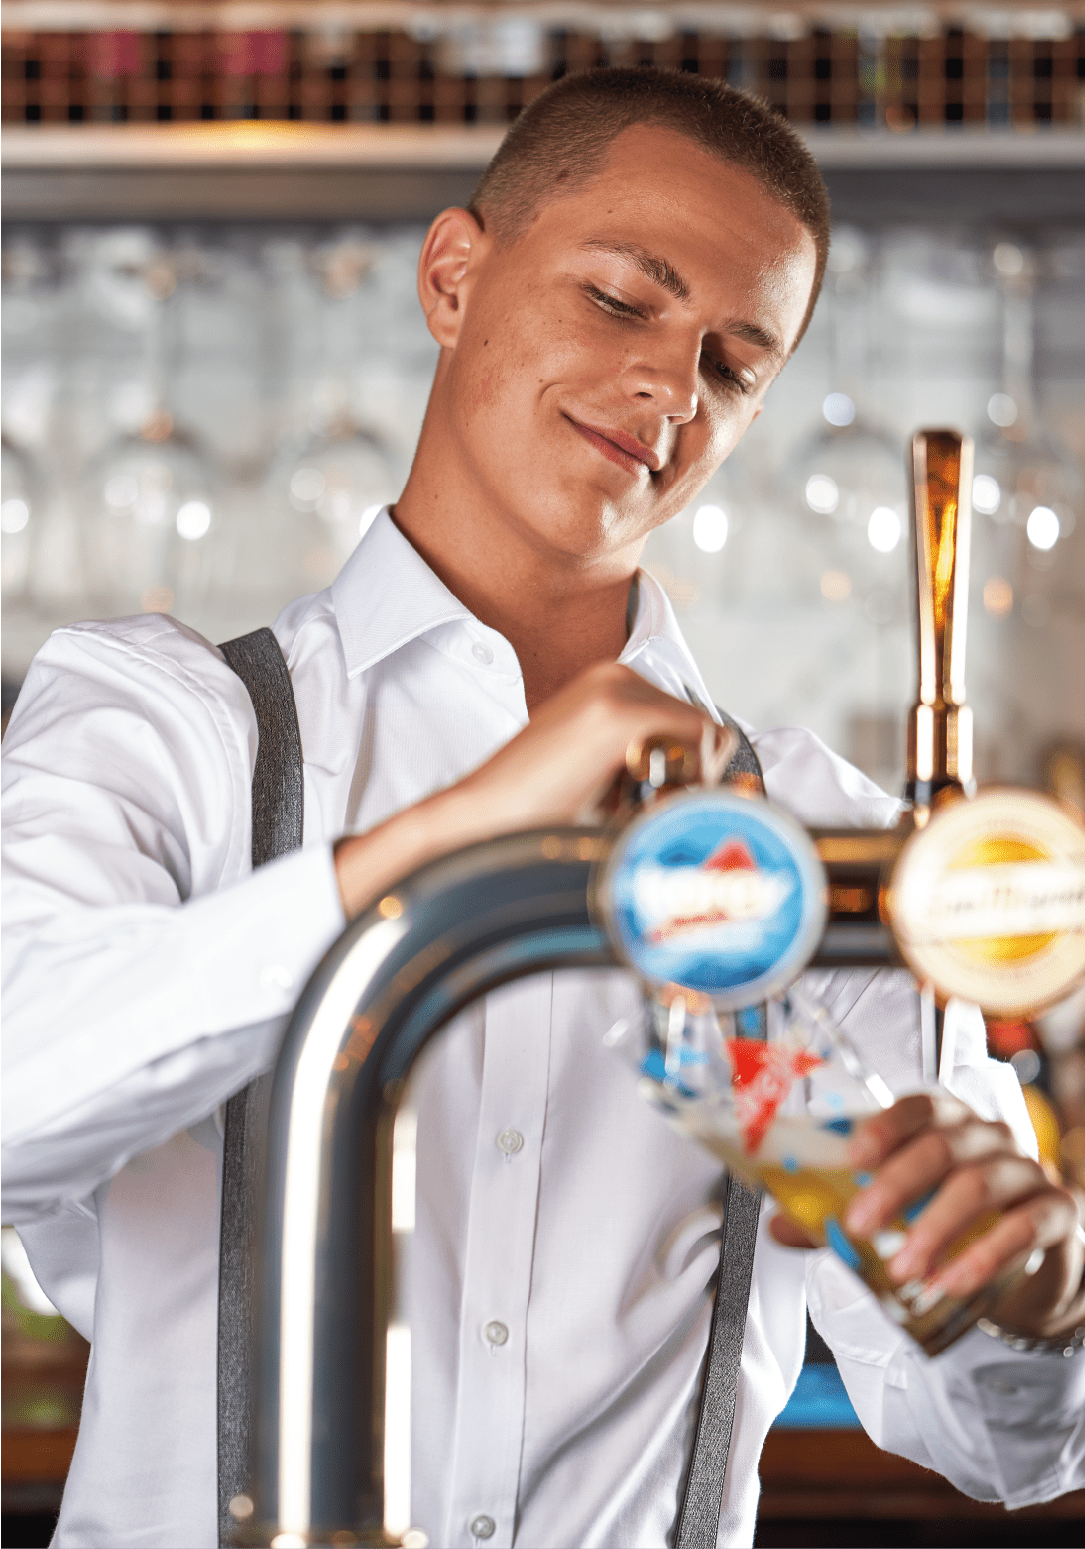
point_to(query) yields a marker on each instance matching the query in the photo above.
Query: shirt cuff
(1032, 1407)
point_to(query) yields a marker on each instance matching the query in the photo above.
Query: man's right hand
(555, 771)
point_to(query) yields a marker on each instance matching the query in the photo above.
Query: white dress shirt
(148, 975)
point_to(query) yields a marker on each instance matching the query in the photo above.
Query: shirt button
(483, 1526)
(497, 1334)
(482, 653)
(510, 1141)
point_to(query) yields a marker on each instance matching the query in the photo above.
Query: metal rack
(440, 63)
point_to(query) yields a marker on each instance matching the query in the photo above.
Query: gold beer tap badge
(988, 901)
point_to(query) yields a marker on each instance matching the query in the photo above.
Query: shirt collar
(386, 595)
(656, 642)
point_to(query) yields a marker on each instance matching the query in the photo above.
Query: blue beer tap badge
(716, 893)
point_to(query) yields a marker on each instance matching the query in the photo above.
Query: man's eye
(611, 304)
(731, 379)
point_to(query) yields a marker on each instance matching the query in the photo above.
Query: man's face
(607, 362)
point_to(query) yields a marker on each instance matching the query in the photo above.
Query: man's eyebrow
(753, 333)
(657, 270)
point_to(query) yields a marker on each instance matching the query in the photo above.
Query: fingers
(1012, 1188)
(952, 1175)
(882, 1133)
(953, 1138)
(787, 1234)
(718, 745)
(1043, 1221)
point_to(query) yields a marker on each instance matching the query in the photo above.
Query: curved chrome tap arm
(445, 936)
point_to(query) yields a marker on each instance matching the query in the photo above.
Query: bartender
(641, 258)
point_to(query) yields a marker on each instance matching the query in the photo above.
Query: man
(641, 259)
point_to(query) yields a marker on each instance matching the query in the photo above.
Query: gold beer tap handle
(656, 766)
(940, 722)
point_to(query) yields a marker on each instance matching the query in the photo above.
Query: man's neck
(560, 614)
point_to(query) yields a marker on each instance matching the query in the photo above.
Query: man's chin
(586, 525)
(591, 540)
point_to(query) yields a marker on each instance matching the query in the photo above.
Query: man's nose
(667, 375)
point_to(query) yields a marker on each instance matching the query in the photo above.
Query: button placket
(491, 1390)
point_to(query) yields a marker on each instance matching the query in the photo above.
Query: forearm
(125, 1024)
(999, 1425)
(366, 865)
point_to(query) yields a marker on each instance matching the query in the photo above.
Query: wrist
(1052, 1320)
(1066, 1343)
(366, 865)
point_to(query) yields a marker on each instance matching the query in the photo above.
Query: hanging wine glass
(344, 468)
(1026, 481)
(850, 470)
(32, 372)
(150, 495)
(18, 499)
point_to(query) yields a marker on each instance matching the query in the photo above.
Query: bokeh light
(710, 528)
(1042, 527)
(883, 529)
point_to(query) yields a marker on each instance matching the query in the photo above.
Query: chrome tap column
(447, 935)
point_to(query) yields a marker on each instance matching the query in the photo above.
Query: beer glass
(779, 1111)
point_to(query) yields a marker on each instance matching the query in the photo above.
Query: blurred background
(215, 370)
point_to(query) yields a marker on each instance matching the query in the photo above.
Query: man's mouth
(624, 450)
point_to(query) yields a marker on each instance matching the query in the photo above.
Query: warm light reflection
(997, 596)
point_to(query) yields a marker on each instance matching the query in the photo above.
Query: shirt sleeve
(998, 1424)
(147, 973)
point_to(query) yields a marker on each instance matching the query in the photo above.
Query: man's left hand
(932, 1143)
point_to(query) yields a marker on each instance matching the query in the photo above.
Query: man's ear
(454, 247)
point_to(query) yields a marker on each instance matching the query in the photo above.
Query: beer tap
(981, 898)
(940, 722)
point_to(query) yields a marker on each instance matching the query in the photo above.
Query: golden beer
(802, 1162)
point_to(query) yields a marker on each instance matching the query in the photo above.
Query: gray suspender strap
(276, 829)
(697, 1525)
(699, 1512)
(277, 778)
